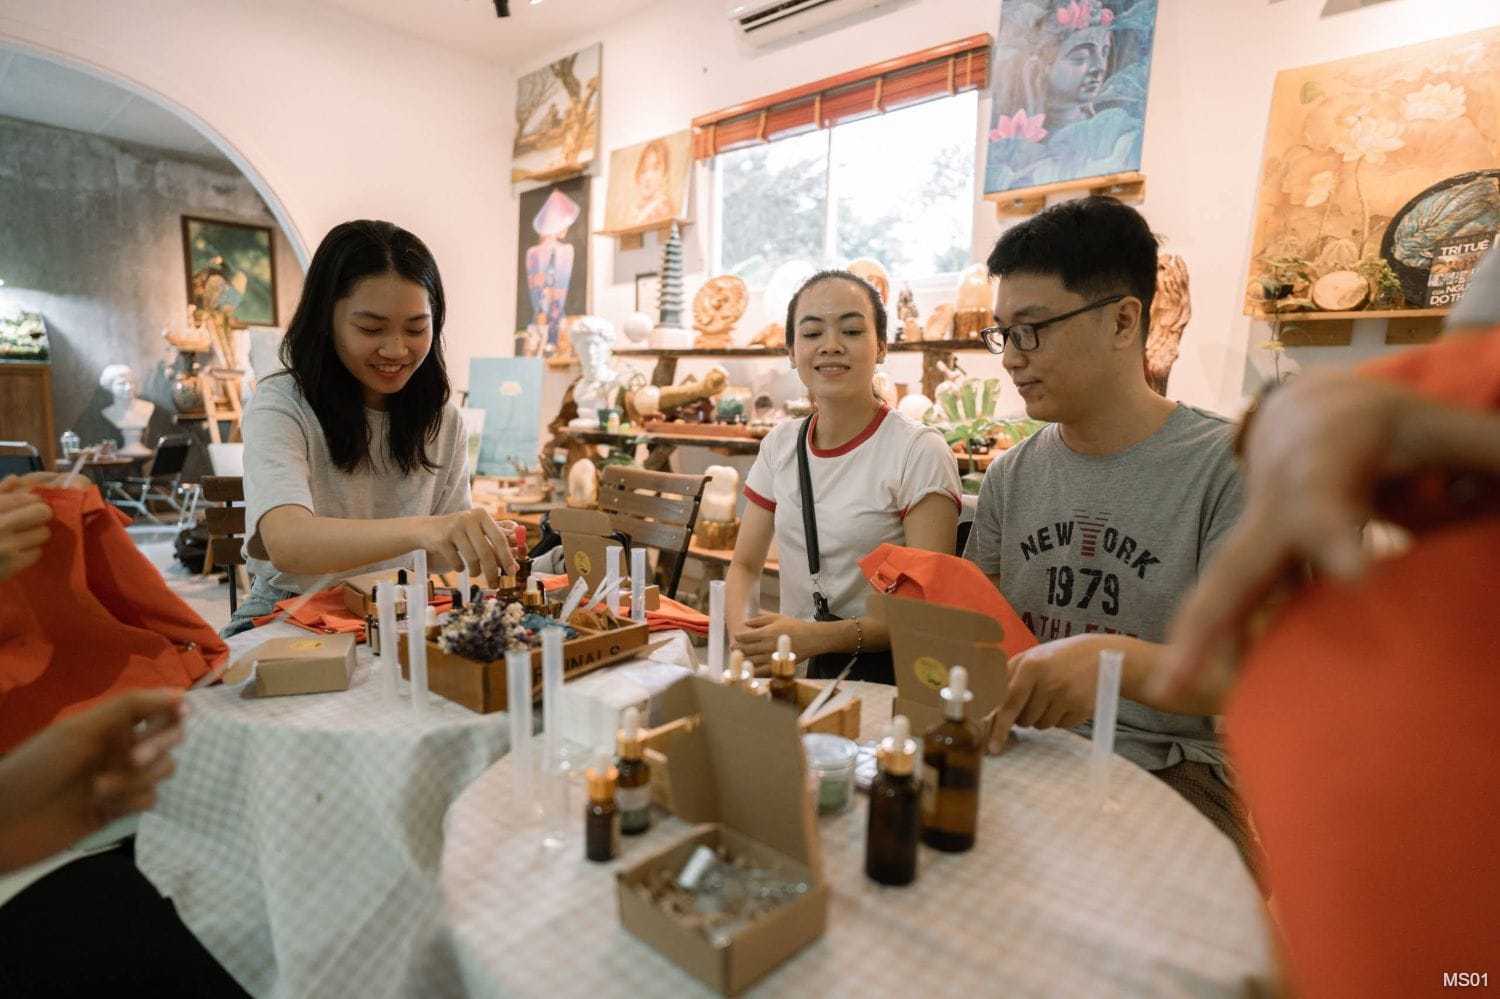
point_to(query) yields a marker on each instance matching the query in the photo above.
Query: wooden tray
(481, 687)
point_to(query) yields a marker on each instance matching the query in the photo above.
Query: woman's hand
(757, 639)
(85, 771)
(23, 526)
(473, 540)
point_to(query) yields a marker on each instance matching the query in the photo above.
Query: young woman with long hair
(354, 455)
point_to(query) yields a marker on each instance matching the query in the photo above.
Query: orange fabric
(92, 618)
(945, 579)
(1463, 371)
(1364, 736)
(326, 613)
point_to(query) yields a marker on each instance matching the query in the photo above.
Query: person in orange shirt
(67, 781)
(1362, 720)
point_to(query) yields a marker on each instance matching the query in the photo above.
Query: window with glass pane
(898, 187)
(902, 187)
(774, 205)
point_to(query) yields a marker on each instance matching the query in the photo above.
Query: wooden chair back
(655, 509)
(226, 527)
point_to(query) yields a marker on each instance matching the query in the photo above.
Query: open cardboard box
(586, 534)
(359, 592)
(927, 640)
(739, 772)
(482, 687)
(310, 665)
(838, 717)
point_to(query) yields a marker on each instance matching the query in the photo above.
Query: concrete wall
(91, 237)
(334, 117)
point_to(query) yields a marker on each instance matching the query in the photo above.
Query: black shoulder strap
(809, 515)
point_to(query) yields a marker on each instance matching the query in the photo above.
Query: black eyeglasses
(1023, 335)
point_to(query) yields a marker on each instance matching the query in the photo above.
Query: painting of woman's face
(651, 174)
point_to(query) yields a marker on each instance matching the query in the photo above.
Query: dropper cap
(957, 693)
(783, 660)
(601, 779)
(628, 738)
(897, 752)
(735, 674)
(520, 540)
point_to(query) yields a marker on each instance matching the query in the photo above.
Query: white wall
(1210, 96)
(333, 117)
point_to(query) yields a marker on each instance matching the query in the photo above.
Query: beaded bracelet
(859, 636)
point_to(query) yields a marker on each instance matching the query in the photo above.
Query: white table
(300, 837)
(1056, 899)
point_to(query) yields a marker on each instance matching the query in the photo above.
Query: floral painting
(557, 118)
(1069, 92)
(1351, 143)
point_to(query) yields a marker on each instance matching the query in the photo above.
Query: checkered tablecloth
(300, 837)
(1057, 898)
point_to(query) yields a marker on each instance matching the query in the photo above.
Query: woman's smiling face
(382, 332)
(835, 347)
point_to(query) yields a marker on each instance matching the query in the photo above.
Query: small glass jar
(71, 445)
(830, 762)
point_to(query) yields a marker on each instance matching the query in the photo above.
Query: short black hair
(877, 307)
(350, 253)
(1095, 245)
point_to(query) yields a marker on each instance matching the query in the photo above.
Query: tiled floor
(206, 594)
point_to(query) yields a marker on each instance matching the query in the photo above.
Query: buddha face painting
(1077, 74)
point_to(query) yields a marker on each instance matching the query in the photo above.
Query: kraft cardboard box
(929, 639)
(839, 716)
(359, 592)
(310, 665)
(739, 773)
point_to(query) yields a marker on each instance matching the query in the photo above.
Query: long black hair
(350, 253)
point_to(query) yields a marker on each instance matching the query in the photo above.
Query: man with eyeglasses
(1095, 528)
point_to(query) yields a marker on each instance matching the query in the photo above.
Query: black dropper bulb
(401, 577)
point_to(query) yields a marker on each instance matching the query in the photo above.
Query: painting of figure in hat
(554, 262)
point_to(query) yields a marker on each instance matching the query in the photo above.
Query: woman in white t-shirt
(354, 456)
(876, 477)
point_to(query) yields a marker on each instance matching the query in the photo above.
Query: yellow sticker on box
(930, 672)
(582, 563)
(304, 644)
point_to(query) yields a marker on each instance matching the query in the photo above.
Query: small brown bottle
(736, 675)
(633, 789)
(895, 810)
(950, 772)
(534, 600)
(601, 820)
(784, 672)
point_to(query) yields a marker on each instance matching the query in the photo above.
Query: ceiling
(35, 89)
(471, 25)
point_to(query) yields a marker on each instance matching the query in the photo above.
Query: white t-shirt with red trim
(862, 492)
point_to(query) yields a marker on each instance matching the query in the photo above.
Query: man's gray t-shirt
(1113, 543)
(287, 463)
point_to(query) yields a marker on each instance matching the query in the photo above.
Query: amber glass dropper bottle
(601, 820)
(895, 810)
(950, 772)
(633, 789)
(784, 671)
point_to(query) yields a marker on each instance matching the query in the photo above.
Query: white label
(633, 799)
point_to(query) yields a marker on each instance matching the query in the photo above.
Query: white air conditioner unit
(766, 22)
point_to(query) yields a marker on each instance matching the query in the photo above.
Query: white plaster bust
(128, 412)
(593, 342)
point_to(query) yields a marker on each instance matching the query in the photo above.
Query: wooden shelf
(914, 346)
(1321, 317)
(705, 352)
(734, 445)
(637, 230)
